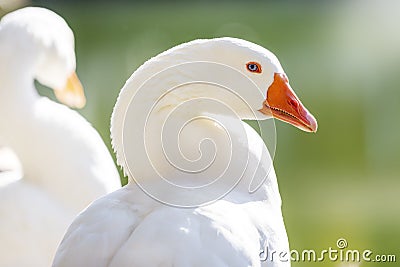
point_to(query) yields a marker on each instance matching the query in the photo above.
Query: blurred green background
(343, 60)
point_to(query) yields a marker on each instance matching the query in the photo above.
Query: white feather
(64, 160)
(130, 228)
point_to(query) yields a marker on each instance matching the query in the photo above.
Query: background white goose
(65, 162)
(191, 94)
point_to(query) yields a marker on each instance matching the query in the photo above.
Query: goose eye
(253, 67)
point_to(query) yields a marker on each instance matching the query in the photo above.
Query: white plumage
(64, 160)
(188, 217)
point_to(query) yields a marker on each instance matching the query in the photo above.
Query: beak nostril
(294, 103)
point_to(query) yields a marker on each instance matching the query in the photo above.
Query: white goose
(65, 162)
(175, 111)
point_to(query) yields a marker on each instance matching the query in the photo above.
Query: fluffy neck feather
(178, 125)
(16, 78)
(46, 135)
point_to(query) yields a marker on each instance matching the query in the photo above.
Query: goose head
(36, 43)
(272, 95)
(257, 86)
(197, 91)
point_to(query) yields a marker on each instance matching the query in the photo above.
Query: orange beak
(72, 94)
(283, 104)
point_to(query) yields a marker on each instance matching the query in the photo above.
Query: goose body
(64, 161)
(202, 190)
